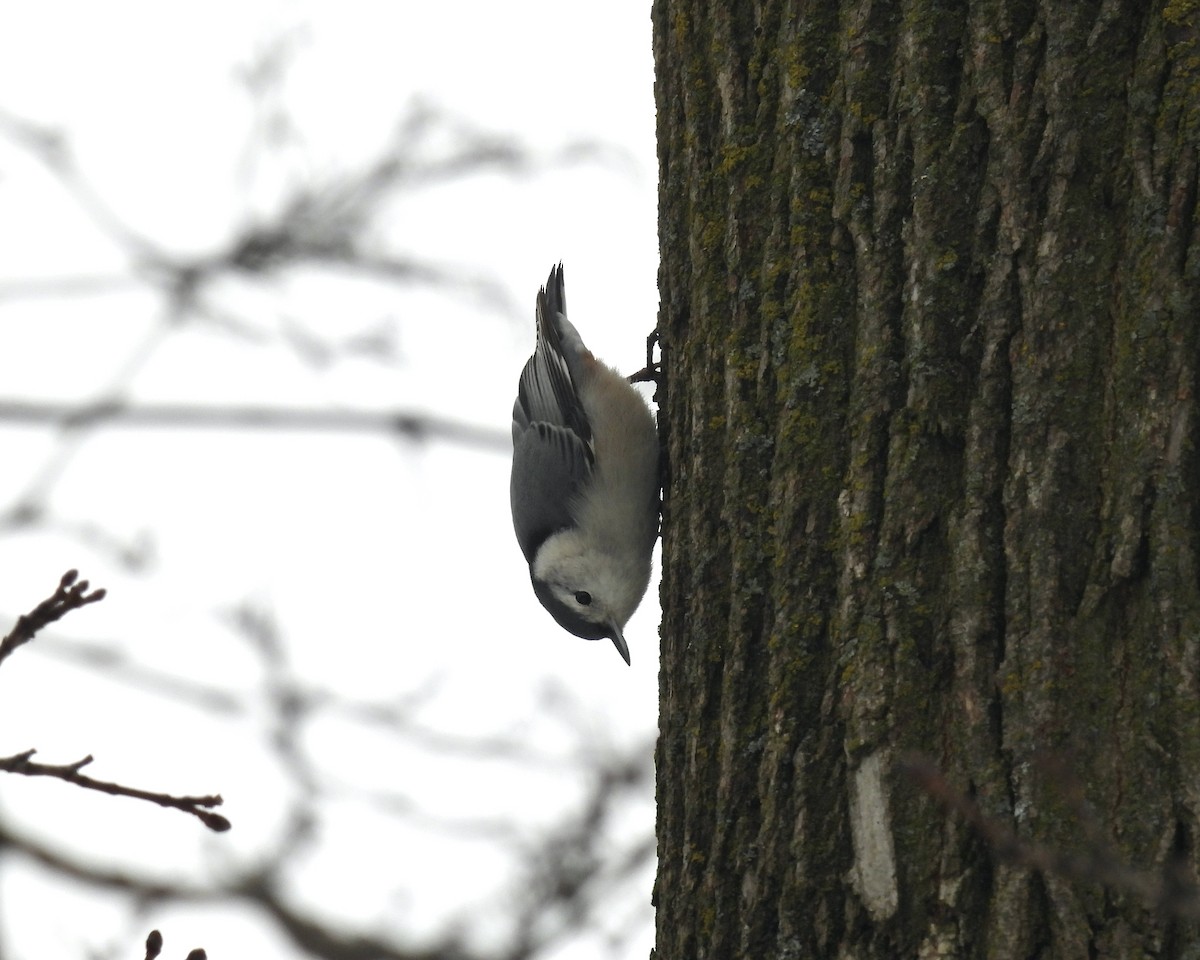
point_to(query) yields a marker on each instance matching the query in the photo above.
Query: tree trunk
(930, 333)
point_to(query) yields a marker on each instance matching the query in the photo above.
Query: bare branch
(71, 594)
(67, 597)
(70, 773)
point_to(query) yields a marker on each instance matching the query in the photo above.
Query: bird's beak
(620, 644)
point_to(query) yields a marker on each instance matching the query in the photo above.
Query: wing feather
(550, 464)
(552, 437)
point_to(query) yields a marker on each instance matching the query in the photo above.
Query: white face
(592, 587)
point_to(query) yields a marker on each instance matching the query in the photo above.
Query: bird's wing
(552, 437)
(550, 464)
(547, 391)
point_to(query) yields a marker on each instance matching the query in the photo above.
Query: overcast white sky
(390, 567)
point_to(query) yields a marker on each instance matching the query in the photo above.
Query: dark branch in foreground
(67, 597)
(154, 945)
(23, 764)
(71, 594)
(1170, 890)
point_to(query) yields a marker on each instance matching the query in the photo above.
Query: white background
(388, 566)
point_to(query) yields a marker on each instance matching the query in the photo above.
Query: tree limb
(67, 597)
(69, 772)
(71, 594)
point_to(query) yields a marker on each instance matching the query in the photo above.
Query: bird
(585, 479)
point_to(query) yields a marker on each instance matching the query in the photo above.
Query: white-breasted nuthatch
(584, 485)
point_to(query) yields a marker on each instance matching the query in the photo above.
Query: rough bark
(930, 330)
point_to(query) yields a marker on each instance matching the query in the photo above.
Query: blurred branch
(399, 717)
(1169, 890)
(565, 886)
(68, 596)
(570, 870)
(346, 225)
(567, 871)
(53, 148)
(64, 286)
(109, 660)
(331, 221)
(417, 427)
(29, 505)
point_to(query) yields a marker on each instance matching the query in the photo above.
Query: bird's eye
(583, 598)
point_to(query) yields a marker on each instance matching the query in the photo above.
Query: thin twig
(23, 764)
(69, 596)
